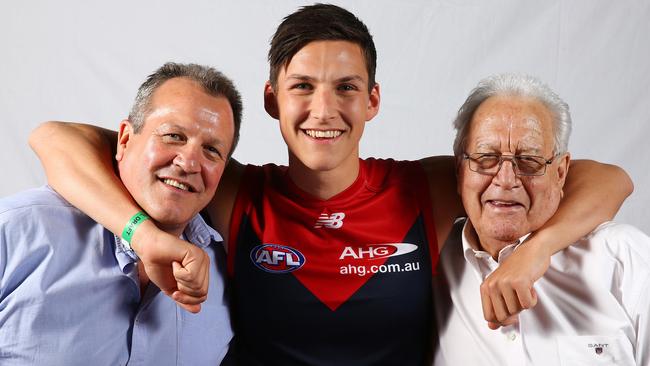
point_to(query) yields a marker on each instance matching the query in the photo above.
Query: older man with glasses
(593, 302)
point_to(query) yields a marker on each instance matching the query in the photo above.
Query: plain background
(83, 61)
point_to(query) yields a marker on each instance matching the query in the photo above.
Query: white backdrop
(83, 61)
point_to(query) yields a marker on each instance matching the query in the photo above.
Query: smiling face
(173, 165)
(322, 103)
(504, 207)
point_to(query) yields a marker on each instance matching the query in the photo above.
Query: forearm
(594, 192)
(78, 163)
(447, 205)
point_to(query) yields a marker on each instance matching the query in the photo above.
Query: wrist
(142, 237)
(541, 245)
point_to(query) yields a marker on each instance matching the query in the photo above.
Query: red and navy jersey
(343, 281)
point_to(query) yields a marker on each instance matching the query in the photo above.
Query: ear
(564, 161)
(270, 101)
(123, 137)
(373, 103)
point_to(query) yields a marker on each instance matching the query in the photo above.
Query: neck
(323, 184)
(484, 243)
(175, 230)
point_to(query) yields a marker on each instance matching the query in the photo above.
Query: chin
(320, 165)
(505, 231)
(170, 218)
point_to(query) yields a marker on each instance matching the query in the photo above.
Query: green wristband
(130, 227)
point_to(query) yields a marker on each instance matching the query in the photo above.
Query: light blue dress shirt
(69, 295)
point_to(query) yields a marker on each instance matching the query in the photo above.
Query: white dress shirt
(593, 304)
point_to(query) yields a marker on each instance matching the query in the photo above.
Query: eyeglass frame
(513, 161)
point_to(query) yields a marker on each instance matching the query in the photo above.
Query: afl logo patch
(275, 258)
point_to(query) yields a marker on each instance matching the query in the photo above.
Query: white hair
(514, 85)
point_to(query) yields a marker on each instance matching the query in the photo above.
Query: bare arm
(447, 206)
(220, 209)
(594, 192)
(76, 155)
(78, 162)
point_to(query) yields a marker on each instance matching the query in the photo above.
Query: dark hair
(319, 22)
(212, 81)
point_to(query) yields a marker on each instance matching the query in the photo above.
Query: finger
(191, 292)
(493, 325)
(486, 303)
(191, 308)
(511, 320)
(511, 300)
(195, 284)
(499, 310)
(525, 294)
(183, 299)
(527, 298)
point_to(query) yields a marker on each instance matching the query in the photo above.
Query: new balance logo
(333, 221)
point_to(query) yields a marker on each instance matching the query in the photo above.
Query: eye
(347, 87)
(530, 164)
(213, 151)
(487, 160)
(302, 86)
(173, 137)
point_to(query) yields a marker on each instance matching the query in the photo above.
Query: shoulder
(37, 226)
(621, 241)
(32, 200)
(253, 175)
(390, 171)
(38, 212)
(379, 163)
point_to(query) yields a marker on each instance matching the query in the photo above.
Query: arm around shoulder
(78, 163)
(447, 205)
(221, 206)
(593, 193)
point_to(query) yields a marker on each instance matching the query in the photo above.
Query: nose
(506, 177)
(188, 159)
(323, 104)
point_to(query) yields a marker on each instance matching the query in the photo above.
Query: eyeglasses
(524, 165)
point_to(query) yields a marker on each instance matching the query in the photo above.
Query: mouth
(179, 185)
(323, 134)
(504, 204)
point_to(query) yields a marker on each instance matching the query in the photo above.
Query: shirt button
(512, 336)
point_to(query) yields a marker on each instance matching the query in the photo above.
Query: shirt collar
(480, 260)
(200, 233)
(196, 232)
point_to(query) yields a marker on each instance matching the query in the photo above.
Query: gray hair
(514, 85)
(212, 81)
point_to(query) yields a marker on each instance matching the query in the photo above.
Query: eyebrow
(170, 125)
(519, 150)
(343, 79)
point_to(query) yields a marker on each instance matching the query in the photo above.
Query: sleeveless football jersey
(343, 281)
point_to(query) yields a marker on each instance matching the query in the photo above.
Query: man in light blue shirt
(72, 293)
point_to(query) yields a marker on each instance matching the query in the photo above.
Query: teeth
(176, 184)
(318, 134)
(503, 203)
